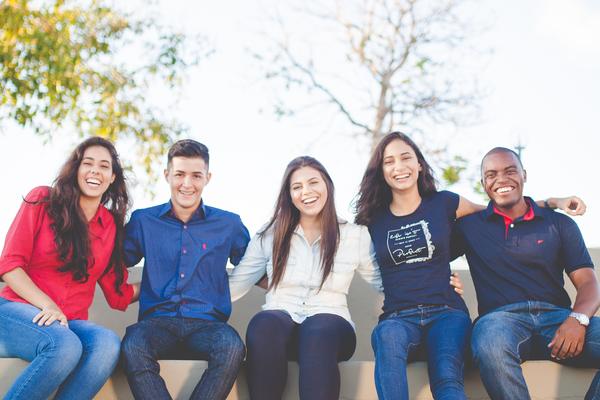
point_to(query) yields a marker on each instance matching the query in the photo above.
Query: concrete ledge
(546, 380)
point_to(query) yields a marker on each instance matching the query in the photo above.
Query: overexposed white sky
(543, 78)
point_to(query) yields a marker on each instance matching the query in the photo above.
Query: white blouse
(298, 291)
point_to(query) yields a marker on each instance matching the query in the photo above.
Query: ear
(420, 167)
(524, 176)
(208, 176)
(112, 179)
(166, 173)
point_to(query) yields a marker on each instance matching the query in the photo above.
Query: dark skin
(569, 338)
(503, 178)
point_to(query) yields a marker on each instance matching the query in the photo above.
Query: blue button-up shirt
(184, 263)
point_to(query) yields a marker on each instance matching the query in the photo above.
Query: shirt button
(185, 227)
(182, 275)
(512, 225)
(184, 251)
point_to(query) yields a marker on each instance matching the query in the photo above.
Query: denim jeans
(441, 332)
(509, 335)
(174, 338)
(74, 361)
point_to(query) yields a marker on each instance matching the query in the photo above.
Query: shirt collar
(533, 211)
(167, 209)
(100, 217)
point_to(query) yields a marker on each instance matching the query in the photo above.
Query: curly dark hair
(374, 193)
(70, 226)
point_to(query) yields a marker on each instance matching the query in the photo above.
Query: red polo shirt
(30, 245)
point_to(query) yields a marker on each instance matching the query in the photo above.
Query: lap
(20, 337)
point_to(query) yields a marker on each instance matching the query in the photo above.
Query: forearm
(21, 284)
(136, 292)
(588, 298)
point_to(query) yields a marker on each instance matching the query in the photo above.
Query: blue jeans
(175, 338)
(318, 344)
(441, 332)
(509, 335)
(75, 361)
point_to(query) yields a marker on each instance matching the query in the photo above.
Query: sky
(542, 78)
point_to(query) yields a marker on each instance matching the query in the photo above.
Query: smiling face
(308, 191)
(187, 178)
(503, 179)
(400, 166)
(95, 173)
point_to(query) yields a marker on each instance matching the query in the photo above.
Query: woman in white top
(309, 256)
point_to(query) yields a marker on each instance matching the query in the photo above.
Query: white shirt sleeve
(367, 266)
(251, 268)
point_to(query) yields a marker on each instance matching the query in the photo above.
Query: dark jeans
(514, 333)
(439, 331)
(318, 344)
(170, 337)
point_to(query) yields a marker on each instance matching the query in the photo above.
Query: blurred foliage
(87, 67)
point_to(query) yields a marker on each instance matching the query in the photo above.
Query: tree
(87, 66)
(399, 68)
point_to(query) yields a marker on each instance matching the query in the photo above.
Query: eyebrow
(93, 159)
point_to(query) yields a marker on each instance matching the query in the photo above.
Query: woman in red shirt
(63, 240)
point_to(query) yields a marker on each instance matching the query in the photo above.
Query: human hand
(568, 340)
(457, 283)
(571, 205)
(49, 314)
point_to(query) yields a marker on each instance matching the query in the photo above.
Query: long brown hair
(374, 193)
(286, 218)
(70, 226)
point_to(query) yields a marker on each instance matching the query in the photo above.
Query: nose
(187, 181)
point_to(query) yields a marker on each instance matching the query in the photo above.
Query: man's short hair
(188, 148)
(496, 150)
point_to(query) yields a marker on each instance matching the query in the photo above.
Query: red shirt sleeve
(18, 245)
(114, 299)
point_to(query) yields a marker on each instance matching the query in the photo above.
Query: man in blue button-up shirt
(184, 297)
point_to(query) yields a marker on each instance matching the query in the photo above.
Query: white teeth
(92, 181)
(309, 200)
(401, 176)
(504, 189)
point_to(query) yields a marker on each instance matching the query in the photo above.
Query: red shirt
(30, 245)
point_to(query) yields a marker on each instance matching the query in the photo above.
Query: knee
(491, 344)
(260, 330)
(230, 346)
(134, 344)
(390, 339)
(65, 347)
(108, 345)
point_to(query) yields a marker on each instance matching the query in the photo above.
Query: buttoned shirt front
(184, 262)
(298, 291)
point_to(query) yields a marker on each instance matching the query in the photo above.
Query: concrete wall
(546, 380)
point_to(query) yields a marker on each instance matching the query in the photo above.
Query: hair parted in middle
(374, 193)
(286, 218)
(70, 226)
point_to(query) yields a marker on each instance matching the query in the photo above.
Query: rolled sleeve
(20, 239)
(117, 301)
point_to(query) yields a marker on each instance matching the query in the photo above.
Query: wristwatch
(581, 318)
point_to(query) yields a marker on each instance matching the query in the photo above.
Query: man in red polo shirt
(517, 253)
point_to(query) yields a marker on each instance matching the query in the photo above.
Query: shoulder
(217, 213)
(446, 196)
(142, 214)
(38, 194)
